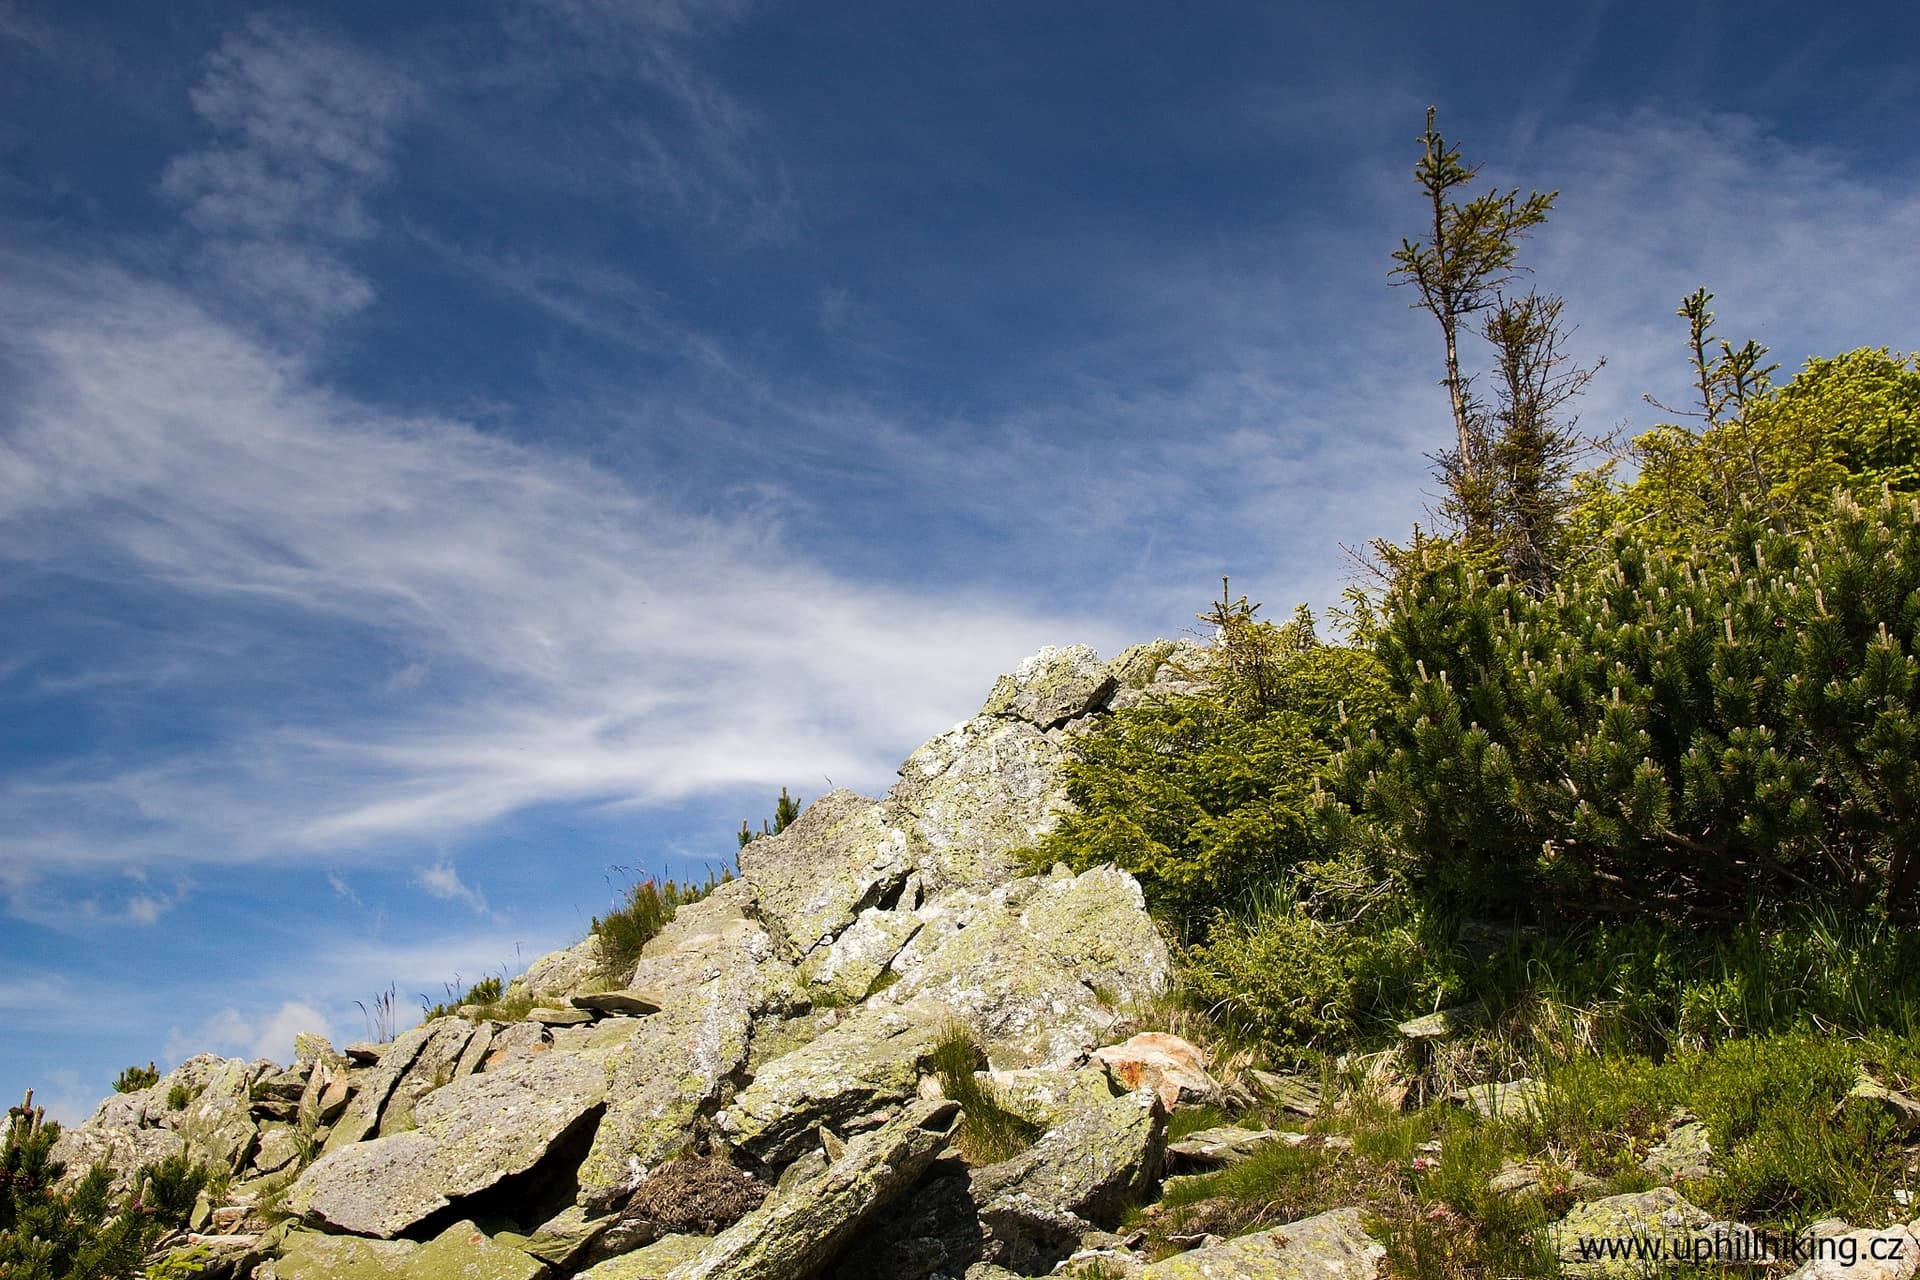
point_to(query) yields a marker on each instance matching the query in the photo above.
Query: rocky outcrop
(781, 1030)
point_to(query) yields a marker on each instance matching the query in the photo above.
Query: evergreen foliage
(132, 1079)
(80, 1232)
(1849, 424)
(785, 810)
(1699, 732)
(1208, 797)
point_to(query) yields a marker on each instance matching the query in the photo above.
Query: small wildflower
(1438, 1211)
(1421, 1164)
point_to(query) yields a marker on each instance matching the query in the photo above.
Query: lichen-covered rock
(1223, 1144)
(124, 1150)
(970, 796)
(561, 973)
(362, 1117)
(1047, 1095)
(678, 1062)
(464, 1252)
(471, 1135)
(1597, 1237)
(1868, 1095)
(461, 1252)
(871, 1060)
(1328, 1246)
(1040, 969)
(1052, 687)
(328, 1090)
(1686, 1153)
(1037, 1205)
(218, 1124)
(793, 1237)
(840, 857)
(845, 972)
(313, 1255)
(437, 1064)
(1504, 1099)
(279, 1147)
(654, 1262)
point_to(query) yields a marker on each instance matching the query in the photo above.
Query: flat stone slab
(624, 1003)
(1503, 1100)
(1223, 1144)
(1328, 1246)
(472, 1134)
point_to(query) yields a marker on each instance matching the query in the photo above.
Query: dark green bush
(81, 1232)
(1211, 799)
(132, 1079)
(1695, 734)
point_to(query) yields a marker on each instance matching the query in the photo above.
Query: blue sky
(450, 450)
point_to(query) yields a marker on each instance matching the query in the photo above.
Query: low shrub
(133, 1079)
(647, 907)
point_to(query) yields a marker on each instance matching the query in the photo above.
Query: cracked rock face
(786, 1022)
(1041, 970)
(471, 1135)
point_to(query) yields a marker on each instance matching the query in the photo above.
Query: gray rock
(309, 1047)
(811, 881)
(218, 1124)
(1661, 1214)
(1892, 1253)
(1503, 1100)
(1433, 1026)
(1048, 1095)
(1328, 1246)
(677, 1063)
(1223, 1144)
(623, 1003)
(559, 974)
(568, 1017)
(970, 796)
(1052, 687)
(515, 1041)
(471, 1135)
(462, 1251)
(362, 1116)
(122, 1149)
(793, 1237)
(436, 1065)
(479, 1045)
(1036, 1206)
(845, 972)
(653, 1262)
(870, 1061)
(1868, 1094)
(1294, 1094)
(1040, 969)
(1687, 1153)
(1516, 1179)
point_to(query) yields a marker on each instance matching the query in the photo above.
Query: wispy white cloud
(589, 640)
(442, 880)
(307, 129)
